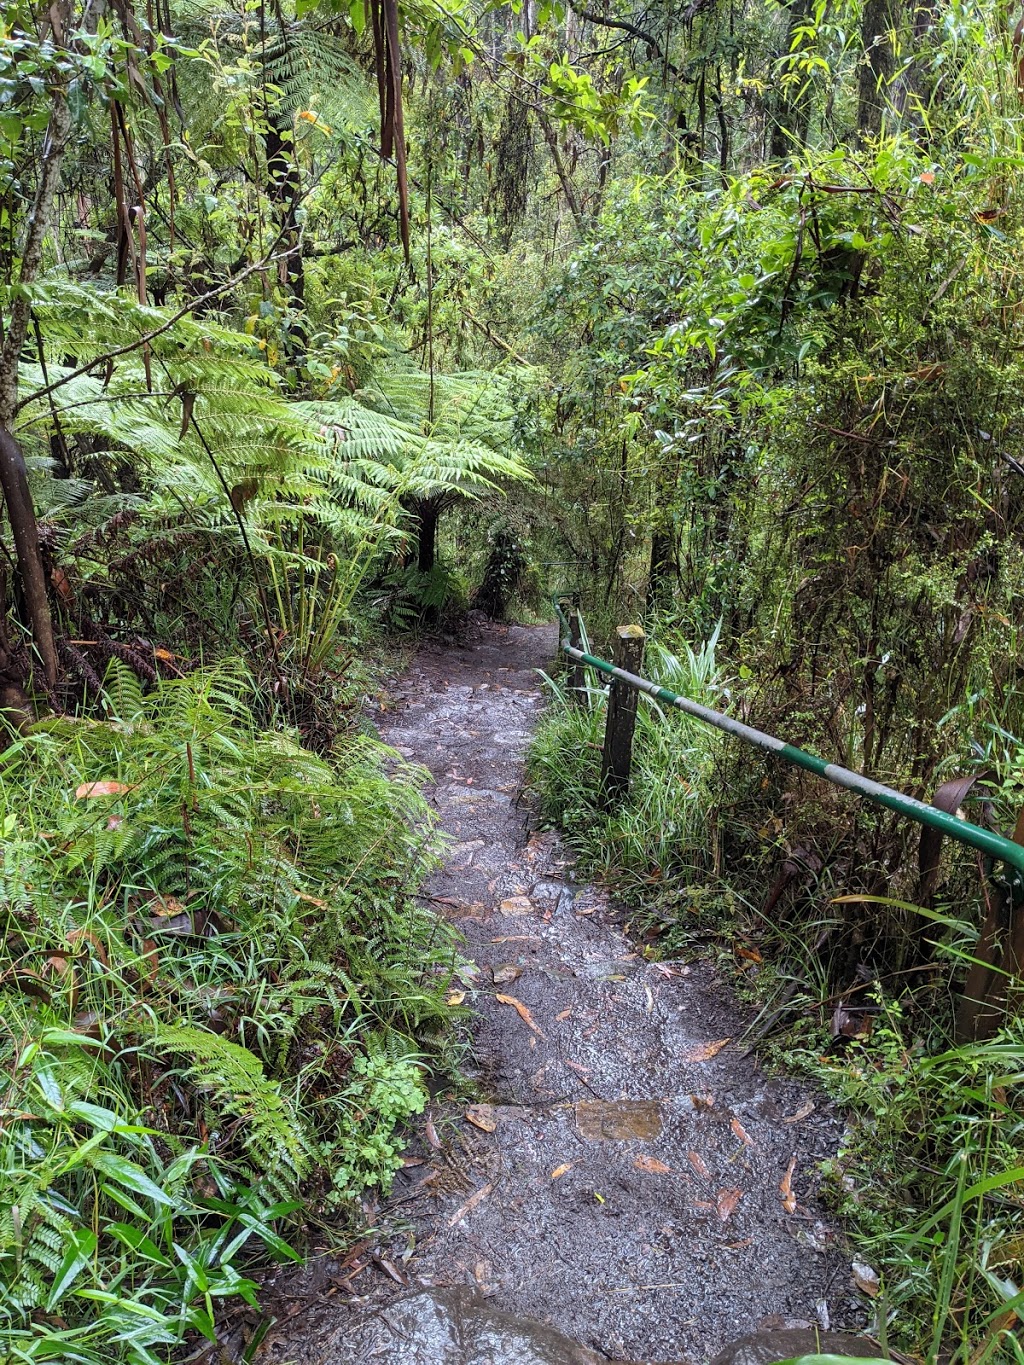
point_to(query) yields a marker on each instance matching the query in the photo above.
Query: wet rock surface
(628, 1181)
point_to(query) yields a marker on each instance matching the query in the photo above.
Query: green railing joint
(964, 831)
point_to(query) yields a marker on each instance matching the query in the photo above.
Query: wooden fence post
(577, 680)
(622, 700)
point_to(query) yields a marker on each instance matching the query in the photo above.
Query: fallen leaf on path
(806, 1108)
(664, 969)
(726, 1201)
(431, 1133)
(482, 1116)
(559, 1171)
(517, 938)
(786, 1187)
(384, 1264)
(706, 1051)
(742, 1133)
(90, 789)
(478, 1197)
(865, 1278)
(651, 1165)
(517, 905)
(455, 997)
(413, 1161)
(702, 1103)
(697, 1162)
(578, 1068)
(564, 1015)
(522, 1011)
(506, 973)
(739, 1246)
(751, 954)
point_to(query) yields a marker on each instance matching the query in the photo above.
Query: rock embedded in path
(765, 1348)
(454, 1327)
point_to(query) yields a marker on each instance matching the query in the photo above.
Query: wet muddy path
(627, 1178)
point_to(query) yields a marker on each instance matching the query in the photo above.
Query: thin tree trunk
(13, 481)
(428, 512)
(551, 138)
(877, 24)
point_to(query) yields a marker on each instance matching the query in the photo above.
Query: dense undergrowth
(926, 1174)
(216, 990)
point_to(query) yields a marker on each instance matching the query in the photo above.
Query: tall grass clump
(663, 837)
(216, 995)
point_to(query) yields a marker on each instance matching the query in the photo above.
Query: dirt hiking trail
(627, 1178)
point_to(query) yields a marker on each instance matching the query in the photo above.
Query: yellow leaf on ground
(697, 1162)
(559, 1171)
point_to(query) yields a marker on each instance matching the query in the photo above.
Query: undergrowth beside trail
(217, 992)
(926, 1180)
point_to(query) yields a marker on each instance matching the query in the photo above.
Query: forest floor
(627, 1175)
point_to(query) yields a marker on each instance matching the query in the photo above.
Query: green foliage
(928, 1178)
(660, 844)
(214, 990)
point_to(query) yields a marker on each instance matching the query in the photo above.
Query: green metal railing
(964, 831)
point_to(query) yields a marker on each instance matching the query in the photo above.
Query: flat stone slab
(618, 1120)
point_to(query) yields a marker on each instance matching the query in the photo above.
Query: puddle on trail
(625, 1192)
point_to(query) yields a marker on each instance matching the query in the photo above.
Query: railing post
(577, 677)
(622, 701)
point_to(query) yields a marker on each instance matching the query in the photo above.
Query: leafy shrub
(215, 991)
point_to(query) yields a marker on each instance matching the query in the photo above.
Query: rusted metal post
(618, 734)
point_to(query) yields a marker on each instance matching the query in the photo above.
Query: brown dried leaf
(431, 1133)
(471, 1203)
(705, 1051)
(455, 998)
(517, 905)
(166, 907)
(482, 1116)
(564, 1015)
(522, 1011)
(559, 1171)
(786, 1187)
(865, 1278)
(90, 789)
(651, 1165)
(726, 1201)
(742, 1133)
(806, 1108)
(697, 1162)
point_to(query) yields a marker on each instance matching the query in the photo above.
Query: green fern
(271, 1133)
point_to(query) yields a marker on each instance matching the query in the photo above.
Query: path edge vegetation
(324, 321)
